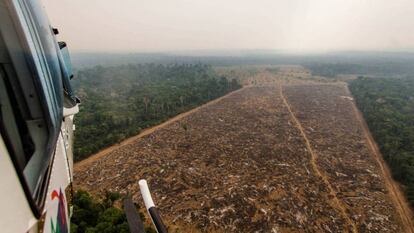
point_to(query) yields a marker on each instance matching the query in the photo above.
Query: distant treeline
(331, 70)
(371, 60)
(119, 101)
(378, 69)
(388, 108)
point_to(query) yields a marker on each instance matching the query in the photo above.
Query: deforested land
(288, 152)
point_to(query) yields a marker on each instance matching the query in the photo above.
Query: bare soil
(281, 155)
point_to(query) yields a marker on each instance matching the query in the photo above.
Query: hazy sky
(294, 25)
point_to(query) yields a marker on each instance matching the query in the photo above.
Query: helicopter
(37, 109)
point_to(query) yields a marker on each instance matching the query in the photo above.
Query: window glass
(49, 58)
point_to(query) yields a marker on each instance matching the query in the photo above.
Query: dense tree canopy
(119, 101)
(388, 107)
(91, 215)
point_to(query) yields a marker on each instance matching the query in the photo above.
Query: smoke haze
(174, 25)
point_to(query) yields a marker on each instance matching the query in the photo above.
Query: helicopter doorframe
(31, 62)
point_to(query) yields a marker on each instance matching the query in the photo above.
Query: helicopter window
(47, 57)
(12, 123)
(31, 99)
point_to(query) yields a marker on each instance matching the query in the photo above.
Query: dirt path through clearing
(336, 203)
(395, 192)
(145, 132)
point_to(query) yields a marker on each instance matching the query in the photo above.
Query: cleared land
(281, 155)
